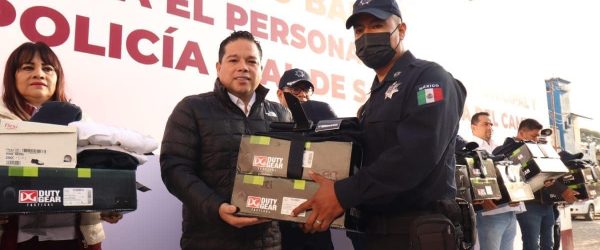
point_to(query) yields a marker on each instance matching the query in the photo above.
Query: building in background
(567, 135)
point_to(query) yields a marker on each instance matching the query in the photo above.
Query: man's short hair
(530, 124)
(475, 118)
(236, 35)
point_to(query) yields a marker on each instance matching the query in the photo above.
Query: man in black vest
(200, 149)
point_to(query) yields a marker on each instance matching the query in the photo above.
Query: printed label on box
(488, 190)
(289, 203)
(307, 159)
(481, 192)
(78, 197)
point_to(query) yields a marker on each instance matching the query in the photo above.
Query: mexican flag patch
(430, 95)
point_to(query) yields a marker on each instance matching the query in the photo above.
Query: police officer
(297, 82)
(410, 122)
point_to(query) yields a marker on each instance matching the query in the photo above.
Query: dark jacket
(198, 163)
(409, 125)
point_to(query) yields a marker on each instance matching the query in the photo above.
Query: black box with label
(25, 190)
(483, 178)
(271, 156)
(275, 198)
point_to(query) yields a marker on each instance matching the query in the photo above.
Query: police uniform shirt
(409, 126)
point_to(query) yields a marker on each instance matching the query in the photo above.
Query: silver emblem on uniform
(392, 89)
(396, 74)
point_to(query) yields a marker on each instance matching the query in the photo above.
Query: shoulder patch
(429, 93)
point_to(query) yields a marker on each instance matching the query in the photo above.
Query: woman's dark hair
(15, 101)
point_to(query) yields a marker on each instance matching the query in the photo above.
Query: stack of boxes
(273, 176)
(539, 162)
(38, 174)
(478, 177)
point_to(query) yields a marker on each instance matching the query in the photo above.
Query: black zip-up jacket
(409, 126)
(198, 163)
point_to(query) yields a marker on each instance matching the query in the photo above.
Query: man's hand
(569, 195)
(226, 212)
(324, 204)
(111, 217)
(488, 205)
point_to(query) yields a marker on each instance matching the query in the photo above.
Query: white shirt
(485, 145)
(238, 102)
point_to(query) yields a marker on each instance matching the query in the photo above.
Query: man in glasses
(297, 82)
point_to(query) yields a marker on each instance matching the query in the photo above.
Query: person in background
(33, 75)
(496, 223)
(408, 126)
(200, 149)
(482, 128)
(537, 223)
(297, 82)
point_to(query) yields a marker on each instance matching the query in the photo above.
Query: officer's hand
(226, 212)
(3, 219)
(569, 195)
(488, 205)
(324, 204)
(111, 217)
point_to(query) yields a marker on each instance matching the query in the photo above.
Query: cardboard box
(268, 156)
(484, 182)
(25, 190)
(37, 144)
(539, 163)
(275, 198)
(514, 182)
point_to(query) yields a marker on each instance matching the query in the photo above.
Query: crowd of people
(409, 126)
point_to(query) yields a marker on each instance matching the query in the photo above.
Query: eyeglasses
(299, 91)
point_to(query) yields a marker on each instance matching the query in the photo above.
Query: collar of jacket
(406, 59)
(221, 94)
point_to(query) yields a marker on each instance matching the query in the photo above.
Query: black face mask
(374, 49)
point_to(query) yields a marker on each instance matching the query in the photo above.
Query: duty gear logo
(260, 161)
(39, 197)
(261, 203)
(28, 196)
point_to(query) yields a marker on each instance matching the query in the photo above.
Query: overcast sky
(512, 46)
